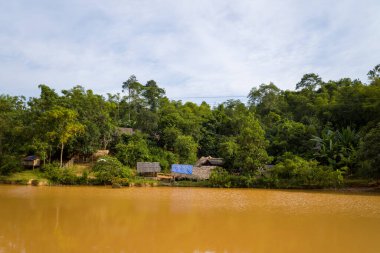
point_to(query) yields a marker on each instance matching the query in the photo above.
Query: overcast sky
(192, 48)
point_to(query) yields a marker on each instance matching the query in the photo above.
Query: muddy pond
(160, 219)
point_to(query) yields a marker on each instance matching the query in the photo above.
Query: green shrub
(120, 181)
(221, 178)
(58, 175)
(135, 151)
(107, 168)
(369, 154)
(84, 178)
(9, 164)
(52, 172)
(186, 148)
(266, 182)
(297, 172)
(164, 157)
(68, 177)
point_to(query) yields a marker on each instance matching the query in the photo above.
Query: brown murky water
(97, 219)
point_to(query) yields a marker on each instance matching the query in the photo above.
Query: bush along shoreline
(291, 173)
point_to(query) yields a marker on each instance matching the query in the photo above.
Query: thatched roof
(209, 161)
(100, 153)
(148, 167)
(203, 172)
(125, 130)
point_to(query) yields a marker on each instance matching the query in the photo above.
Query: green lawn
(24, 177)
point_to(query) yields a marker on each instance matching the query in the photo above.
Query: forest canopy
(320, 126)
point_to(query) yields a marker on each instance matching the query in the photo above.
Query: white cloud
(191, 48)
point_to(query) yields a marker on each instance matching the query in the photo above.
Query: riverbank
(37, 178)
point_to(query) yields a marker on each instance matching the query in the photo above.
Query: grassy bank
(38, 178)
(290, 174)
(70, 177)
(24, 178)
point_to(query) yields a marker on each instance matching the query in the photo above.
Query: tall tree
(370, 151)
(134, 89)
(246, 150)
(152, 93)
(251, 154)
(267, 98)
(309, 81)
(95, 114)
(64, 126)
(186, 148)
(374, 74)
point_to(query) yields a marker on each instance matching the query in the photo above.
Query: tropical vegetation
(318, 135)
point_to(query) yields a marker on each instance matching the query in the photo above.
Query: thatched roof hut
(198, 173)
(182, 171)
(148, 167)
(202, 169)
(209, 161)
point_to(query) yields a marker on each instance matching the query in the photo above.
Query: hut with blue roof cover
(31, 161)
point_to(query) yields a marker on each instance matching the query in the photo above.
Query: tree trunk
(104, 143)
(129, 106)
(62, 154)
(49, 154)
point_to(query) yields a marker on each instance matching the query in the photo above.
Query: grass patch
(358, 182)
(141, 181)
(24, 177)
(78, 169)
(187, 183)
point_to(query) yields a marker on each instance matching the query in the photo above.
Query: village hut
(148, 169)
(182, 171)
(209, 161)
(205, 165)
(31, 161)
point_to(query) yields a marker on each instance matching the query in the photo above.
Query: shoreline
(375, 189)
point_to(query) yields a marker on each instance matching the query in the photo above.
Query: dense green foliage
(314, 135)
(297, 172)
(57, 175)
(108, 168)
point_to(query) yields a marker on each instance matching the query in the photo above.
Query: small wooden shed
(148, 168)
(31, 161)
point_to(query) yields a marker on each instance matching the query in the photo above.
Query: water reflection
(91, 219)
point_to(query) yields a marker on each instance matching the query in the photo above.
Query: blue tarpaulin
(182, 168)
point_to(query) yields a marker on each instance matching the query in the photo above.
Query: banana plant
(337, 148)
